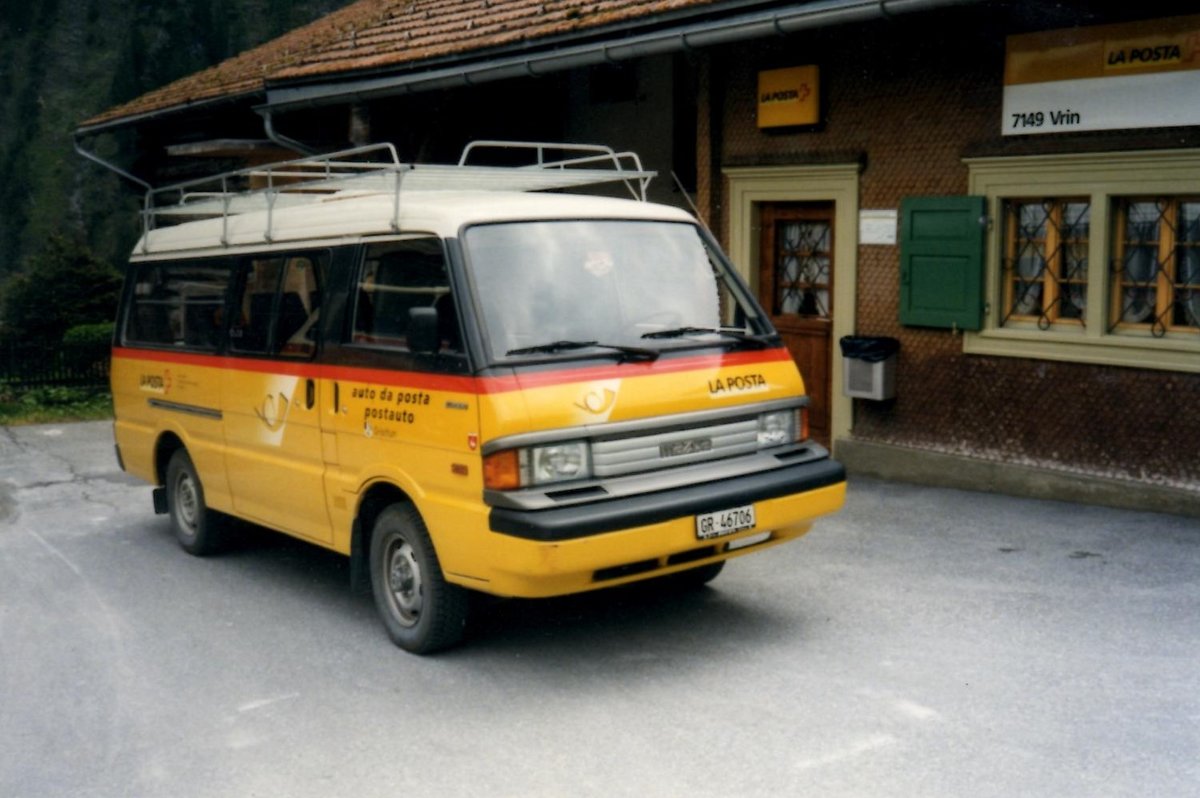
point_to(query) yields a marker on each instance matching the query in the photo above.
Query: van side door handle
(310, 393)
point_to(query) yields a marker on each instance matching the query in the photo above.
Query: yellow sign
(1132, 75)
(789, 97)
(1160, 45)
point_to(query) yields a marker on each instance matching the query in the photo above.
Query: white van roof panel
(351, 215)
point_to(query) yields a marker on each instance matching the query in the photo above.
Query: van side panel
(273, 450)
(158, 393)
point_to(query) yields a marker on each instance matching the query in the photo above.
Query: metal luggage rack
(377, 169)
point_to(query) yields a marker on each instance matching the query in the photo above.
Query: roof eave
(547, 57)
(92, 127)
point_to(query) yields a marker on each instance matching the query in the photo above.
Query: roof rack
(376, 169)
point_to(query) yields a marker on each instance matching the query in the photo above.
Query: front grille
(652, 451)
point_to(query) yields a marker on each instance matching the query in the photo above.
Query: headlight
(537, 465)
(779, 427)
(558, 462)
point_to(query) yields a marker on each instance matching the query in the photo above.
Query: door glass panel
(395, 279)
(802, 268)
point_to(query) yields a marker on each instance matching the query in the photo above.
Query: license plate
(724, 522)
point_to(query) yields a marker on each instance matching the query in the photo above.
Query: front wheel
(421, 611)
(696, 578)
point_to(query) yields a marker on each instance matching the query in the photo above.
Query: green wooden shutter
(941, 261)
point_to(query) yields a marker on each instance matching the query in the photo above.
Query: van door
(407, 413)
(271, 402)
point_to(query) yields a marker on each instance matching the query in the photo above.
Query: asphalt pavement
(923, 642)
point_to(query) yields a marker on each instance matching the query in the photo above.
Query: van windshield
(599, 287)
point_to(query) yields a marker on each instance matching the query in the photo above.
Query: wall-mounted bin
(869, 367)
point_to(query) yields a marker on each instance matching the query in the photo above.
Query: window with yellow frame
(1091, 258)
(1155, 274)
(1045, 261)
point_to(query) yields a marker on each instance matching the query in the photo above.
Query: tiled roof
(379, 34)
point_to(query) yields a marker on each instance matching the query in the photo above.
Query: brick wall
(910, 106)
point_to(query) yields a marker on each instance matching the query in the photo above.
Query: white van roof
(351, 215)
(341, 196)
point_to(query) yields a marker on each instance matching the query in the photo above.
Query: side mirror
(423, 331)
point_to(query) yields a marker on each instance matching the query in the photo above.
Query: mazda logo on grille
(680, 448)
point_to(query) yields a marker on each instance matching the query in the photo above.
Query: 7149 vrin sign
(1135, 75)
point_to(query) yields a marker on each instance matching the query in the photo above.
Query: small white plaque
(877, 227)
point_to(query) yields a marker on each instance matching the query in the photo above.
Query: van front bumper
(642, 549)
(595, 518)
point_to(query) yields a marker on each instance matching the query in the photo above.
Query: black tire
(695, 578)
(197, 528)
(420, 610)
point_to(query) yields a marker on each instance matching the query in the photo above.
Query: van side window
(278, 310)
(179, 304)
(395, 278)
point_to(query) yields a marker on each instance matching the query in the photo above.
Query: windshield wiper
(630, 352)
(737, 335)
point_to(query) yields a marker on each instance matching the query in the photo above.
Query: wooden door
(796, 283)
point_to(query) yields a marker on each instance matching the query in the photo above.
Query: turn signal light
(502, 470)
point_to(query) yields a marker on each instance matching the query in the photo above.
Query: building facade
(1083, 361)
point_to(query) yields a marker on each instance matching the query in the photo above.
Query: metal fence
(80, 365)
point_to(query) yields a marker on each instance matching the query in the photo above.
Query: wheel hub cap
(404, 583)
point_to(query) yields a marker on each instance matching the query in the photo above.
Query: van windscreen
(556, 286)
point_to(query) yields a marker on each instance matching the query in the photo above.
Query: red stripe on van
(446, 382)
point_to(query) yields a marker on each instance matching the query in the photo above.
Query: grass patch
(54, 405)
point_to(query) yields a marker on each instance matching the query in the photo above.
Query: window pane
(299, 308)
(1187, 260)
(1189, 222)
(1137, 305)
(1033, 219)
(1156, 265)
(1027, 264)
(1141, 241)
(1046, 262)
(1077, 218)
(1074, 301)
(1027, 300)
(279, 306)
(802, 272)
(179, 304)
(396, 278)
(607, 281)
(251, 330)
(1188, 245)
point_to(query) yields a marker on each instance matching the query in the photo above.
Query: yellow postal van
(458, 380)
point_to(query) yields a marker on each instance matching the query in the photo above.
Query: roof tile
(381, 34)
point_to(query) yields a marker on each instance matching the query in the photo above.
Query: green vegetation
(53, 405)
(55, 331)
(64, 62)
(63, 288)
(65, 222)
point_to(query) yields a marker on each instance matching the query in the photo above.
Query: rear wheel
(197, 528)
(421, 611)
